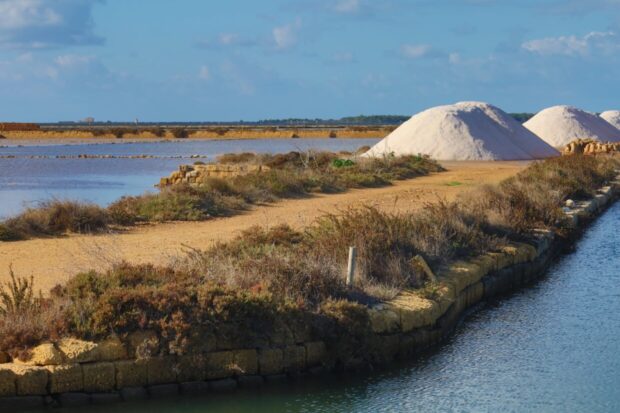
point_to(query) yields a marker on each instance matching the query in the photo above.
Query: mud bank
(74, 372)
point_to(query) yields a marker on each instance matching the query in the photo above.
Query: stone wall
(197, 174)
(74, 372)
(590, 147)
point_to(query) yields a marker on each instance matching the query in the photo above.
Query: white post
(351, 266)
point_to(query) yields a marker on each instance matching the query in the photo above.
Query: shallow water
(551, 347)
(24, 181)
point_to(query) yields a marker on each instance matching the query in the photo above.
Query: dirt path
(52, 261)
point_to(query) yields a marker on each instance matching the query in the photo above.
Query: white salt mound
(560, 125)
(612, 116)
(464, 131)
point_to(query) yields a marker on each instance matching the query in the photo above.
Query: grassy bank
(242, 289)
(290, 175)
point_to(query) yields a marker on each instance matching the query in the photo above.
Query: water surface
(36, 174)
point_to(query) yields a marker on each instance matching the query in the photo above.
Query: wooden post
(351, 266)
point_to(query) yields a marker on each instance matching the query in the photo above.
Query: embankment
(73, 372)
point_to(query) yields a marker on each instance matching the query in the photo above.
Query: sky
(197, 60)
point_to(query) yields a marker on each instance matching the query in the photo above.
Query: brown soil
(52, 261)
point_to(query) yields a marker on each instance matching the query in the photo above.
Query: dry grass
(55, 218)
(243, 287)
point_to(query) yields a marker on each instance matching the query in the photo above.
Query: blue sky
(197, 60)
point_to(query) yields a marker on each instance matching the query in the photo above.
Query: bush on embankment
(240, 289)
(291, 175)
(55, 218)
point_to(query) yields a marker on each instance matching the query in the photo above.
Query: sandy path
(51, 261)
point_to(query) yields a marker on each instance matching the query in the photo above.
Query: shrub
(55, 218)
(179, 133)
(9, 234)
(242, 157)
(26, 319)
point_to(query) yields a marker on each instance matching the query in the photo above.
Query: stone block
(7, 381)
(161, 370)
(245, 361)
(111, 349)
(191, 367)
(73, 399)
(294, 358)
(222, 385)
(43, 355)
(77, 351)
(30, 380)
(407, 346)
(105, 398)
(316, 353)
(134, 393)
(282, 334)
(194, 387)
(65, 378)
(383, 321)
(270, 361)
(99, 377)
(130, 373)
(219, 365)
(19, 403)
(415, 311)
(163, 390)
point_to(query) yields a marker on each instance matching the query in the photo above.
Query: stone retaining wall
(198, 174)
(74, 372)
(590, 147)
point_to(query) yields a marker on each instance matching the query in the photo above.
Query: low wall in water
(75, 372)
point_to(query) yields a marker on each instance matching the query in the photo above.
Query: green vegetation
(241, 289)
(290, 175)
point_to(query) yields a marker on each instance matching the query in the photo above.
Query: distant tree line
(361, 120)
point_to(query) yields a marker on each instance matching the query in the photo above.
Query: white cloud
(17, 14)
(347, 6)
(606, 42)
(204, 73)
(285, 37)
(415, 51)
(37, 24)
(73, 60)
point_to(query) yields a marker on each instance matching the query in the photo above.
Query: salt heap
(612, 116)
(464, 131)
(560, 125)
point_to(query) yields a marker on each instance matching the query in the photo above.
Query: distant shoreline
(203, 133)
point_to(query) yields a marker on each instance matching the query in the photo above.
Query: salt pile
(464, 131)
(560, 125)
(612, 116)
